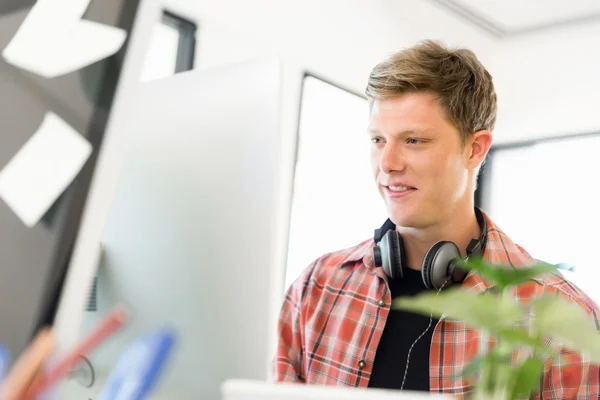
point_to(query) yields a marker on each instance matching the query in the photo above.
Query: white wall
(339, 39)
(548, 84)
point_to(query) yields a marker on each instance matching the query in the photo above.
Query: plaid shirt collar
(495, 240)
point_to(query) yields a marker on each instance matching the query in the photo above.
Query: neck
(460, 227)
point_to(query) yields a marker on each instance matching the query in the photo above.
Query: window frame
(186, 46)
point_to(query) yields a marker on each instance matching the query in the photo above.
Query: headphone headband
(477, 246)
(388, 225)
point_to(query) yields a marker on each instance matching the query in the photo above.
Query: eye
(377, 140)
(413, 141)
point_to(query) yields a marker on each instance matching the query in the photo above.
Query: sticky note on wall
(43, 168)
(53, 40)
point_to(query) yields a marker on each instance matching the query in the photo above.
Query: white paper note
(42, 169)
(53, 40)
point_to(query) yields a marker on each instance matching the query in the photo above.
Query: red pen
(109, 325)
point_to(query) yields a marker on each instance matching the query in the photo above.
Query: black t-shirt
(401, 330)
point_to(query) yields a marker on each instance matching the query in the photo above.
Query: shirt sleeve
(571, 375)
(290, 337)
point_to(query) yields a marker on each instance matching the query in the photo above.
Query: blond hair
(464, 86)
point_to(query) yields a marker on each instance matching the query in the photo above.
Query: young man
(432, 110)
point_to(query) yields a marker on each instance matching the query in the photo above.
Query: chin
(405, 222)
(404, 218)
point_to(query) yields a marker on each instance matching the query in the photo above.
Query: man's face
(420, 165)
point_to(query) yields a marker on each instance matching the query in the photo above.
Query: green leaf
(495, 365)
(484, 311)
(474, 366)
(567, 323)
(503, 276)
(517, 337)
(526, 377)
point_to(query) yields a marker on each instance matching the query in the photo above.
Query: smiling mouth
(399, 188)
(399, 191)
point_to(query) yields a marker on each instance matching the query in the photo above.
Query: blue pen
(135, 375)
(4, 361)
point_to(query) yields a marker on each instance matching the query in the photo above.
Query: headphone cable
(419, 338)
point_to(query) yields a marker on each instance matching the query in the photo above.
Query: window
(543, 196)
(172, 48)
(335, 202)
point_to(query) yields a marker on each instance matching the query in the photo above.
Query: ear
(479, 145)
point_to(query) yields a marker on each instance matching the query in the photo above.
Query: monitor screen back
(190, 237)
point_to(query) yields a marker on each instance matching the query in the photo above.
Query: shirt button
(381, 303)
(361, 364)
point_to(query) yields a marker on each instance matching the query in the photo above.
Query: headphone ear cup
(391, 255)
(436, 267)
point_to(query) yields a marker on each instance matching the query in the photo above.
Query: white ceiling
(512, 17)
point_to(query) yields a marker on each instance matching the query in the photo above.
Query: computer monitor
(244, 389)
(193, 228)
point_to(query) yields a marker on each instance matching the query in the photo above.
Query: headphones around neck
(439, 265)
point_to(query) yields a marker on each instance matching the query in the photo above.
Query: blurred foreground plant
(502, 316)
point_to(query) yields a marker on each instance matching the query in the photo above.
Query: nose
(392, 159)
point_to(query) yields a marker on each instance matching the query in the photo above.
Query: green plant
(500, 314)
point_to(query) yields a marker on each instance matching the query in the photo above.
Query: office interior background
(538, 183)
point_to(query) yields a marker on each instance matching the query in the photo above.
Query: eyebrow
(374, 131)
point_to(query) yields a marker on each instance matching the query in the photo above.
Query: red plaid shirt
(334, 314)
